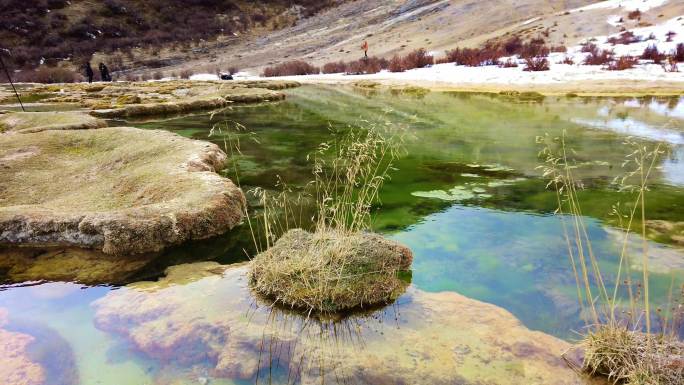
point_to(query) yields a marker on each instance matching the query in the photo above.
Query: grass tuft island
(331, 272)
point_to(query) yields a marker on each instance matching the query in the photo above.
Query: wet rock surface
(90, 267)
(119, 190)
(203, 316)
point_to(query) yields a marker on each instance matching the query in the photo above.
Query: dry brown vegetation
(291, 68)
(44, 74)
(622, 342)
(536, 64)
(627, 37)
(492, 51)
(596, 55)
(651, 53)
(59, 29)
(622, 63)
(340, 265)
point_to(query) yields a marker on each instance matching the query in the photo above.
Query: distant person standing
(89, 72)
(104, 73)
(364, 47)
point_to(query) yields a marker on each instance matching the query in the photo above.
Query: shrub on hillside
(369, 65)
(678, 53)
(475, 57)
(567, 60)
(290, 68)
(597, 56)
(46, 74)
(510, 63)
(396, 64)
(334, 67)
(651, 53)
(418, 59)
(670, 35)
(627, 37)
(634, 15)
(185, 74)
(536, 64)
(623, 63)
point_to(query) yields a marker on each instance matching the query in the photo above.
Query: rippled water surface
(467, 197)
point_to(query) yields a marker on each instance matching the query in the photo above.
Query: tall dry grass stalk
(348, 173)
(625, 350)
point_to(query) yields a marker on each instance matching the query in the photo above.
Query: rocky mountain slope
(52, 30)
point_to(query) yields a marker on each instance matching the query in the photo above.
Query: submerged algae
(206, 312)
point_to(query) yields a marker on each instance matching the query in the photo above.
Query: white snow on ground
(559, 73)
(462, 75)
(204, 77)
(659, 32)
(629, 5)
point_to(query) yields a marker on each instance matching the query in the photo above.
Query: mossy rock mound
(27, 122)
(120, 190)
(331, 272)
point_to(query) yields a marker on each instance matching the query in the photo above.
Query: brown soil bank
(119, 190)
(26, 122)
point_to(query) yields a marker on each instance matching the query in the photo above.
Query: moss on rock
(119, 190)
(27, 122)
(330, 272)
(124, 99)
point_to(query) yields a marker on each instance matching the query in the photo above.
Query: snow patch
(629, 5)
(204, 77)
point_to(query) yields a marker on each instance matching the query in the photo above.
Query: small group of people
(104, 72)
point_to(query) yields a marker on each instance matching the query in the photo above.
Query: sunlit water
(467, 197)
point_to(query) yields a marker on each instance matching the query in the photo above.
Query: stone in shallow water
(329, 272)
(204, 315)
(27, 122)
(16, 367)
(88, 267)
(120, 190)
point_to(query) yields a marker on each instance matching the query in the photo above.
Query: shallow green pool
(467, 196)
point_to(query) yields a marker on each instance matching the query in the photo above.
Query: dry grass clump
(634, 358)
(622, 343)
(291, 68)
(340, 265)
(331, 271)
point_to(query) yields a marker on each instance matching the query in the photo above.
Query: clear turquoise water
(467, 197)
